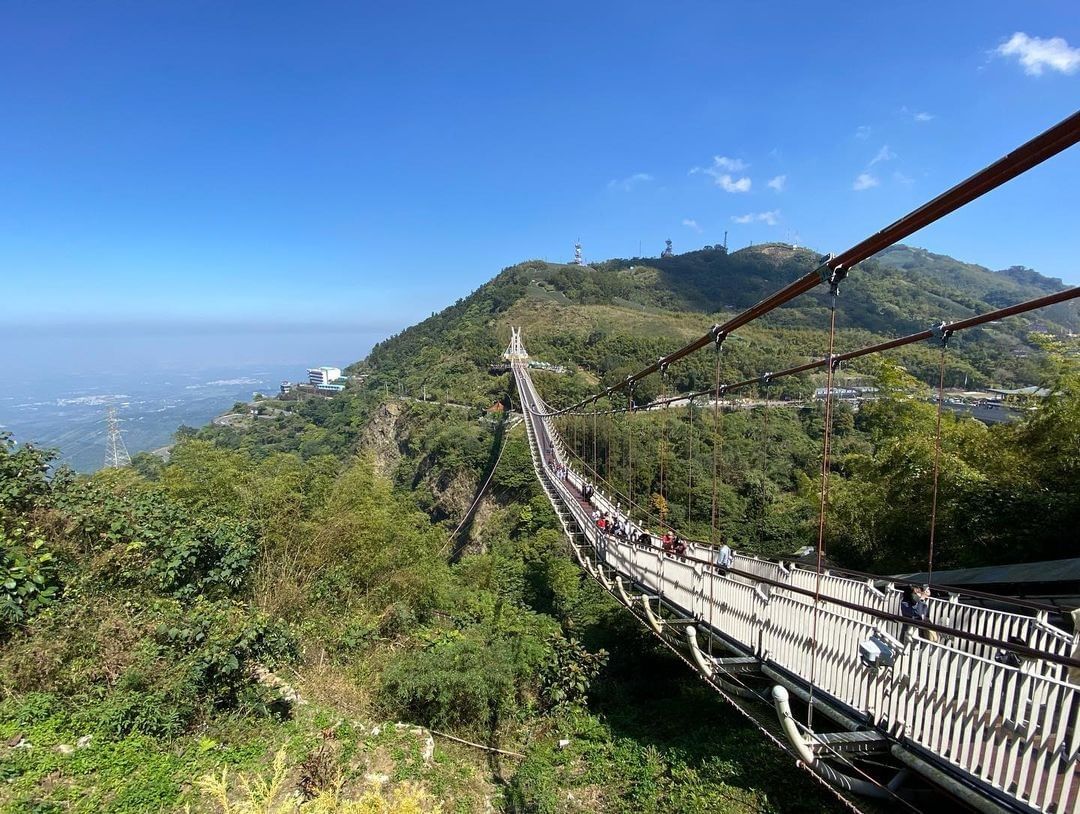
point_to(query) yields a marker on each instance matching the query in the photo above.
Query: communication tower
(668, 251)
(116, 454)
(578, 259)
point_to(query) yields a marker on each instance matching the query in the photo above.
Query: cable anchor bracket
(940, 333)
(718, 335)
(831, 276)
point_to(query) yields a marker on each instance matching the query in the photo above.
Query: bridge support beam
(620, 591)
(849, 724)
(710, 668)
(656, 623)
(815, 764)
(600, 575)
(940, 778)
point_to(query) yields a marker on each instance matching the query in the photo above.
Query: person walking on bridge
(725, 557)
(914, 605)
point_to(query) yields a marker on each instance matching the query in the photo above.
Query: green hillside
(288, 598)
(624, 313)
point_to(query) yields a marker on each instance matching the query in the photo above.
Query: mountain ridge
(617, 312)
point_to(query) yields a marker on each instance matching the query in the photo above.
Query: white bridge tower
(515, 351)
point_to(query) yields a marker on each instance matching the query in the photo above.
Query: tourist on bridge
(725, 557)
(914, 605)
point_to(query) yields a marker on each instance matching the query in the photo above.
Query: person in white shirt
(724, 558)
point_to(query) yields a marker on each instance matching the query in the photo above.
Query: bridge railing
(1000, 625)
(1012, 727)
(994, 623)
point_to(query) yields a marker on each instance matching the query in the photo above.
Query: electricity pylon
(116, 454)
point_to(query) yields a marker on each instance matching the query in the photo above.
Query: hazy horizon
(57, 386)
(246, 162)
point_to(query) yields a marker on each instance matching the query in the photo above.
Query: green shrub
(24, 476)
(453, 683)
(219, 644)
(28, 580)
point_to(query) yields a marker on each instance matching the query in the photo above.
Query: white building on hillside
(323, 375)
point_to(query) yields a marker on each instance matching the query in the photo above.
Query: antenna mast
(578, 259)
(116, 454)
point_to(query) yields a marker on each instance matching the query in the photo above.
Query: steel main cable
(833, 269)
(1064, 295)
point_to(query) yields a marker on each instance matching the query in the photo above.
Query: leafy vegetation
(279, 593)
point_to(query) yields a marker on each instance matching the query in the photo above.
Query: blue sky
(360, 165)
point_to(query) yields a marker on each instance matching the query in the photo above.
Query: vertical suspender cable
(630, 452)
(662, 444)
(608, 421)
(826, 437)
(690, 465)
(596, 474)
(715, 457)
(937, 462)
(764, 463)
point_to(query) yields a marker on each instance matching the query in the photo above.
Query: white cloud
(884, 154)
(631, 181)
(769, 218)
(864, 181)
(862, 131)
(721, 172)
(1035, 54)
(901, 178)
(692, 224)
(917, 115)
(722, 162)
(778, 183)
(729, 184)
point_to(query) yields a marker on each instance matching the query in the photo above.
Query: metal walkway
(994, 736)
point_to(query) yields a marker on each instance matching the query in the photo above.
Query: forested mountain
(623, 313)
(291, 597)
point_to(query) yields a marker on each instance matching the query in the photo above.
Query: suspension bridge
(978, 701)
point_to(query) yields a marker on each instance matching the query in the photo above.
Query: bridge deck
(1008, 733)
